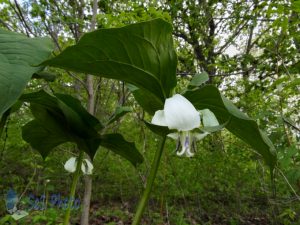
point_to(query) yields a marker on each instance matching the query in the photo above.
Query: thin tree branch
(61, 12)
(22, 19)
(243, 17)
(289, 123)
(50, 32)
(5, 24)
(232, 37)
(288, 183)
(78, 79)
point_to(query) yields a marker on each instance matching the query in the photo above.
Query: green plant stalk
(150, 180)
(73, 188)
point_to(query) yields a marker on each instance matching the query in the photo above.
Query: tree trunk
(91, 109)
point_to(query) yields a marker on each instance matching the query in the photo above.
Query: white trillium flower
(180, 114)
(86, 166)
(70, 165)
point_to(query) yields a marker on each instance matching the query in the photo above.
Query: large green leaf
(18, 55)
(120, 146)
(238, 123)
(45, 133)
(141, 54)
(148, 101)
(6, 114)
(61, 118)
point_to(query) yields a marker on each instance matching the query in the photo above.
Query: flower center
(185, 141)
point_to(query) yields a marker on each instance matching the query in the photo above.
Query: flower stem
(150, 180)
(73, 188)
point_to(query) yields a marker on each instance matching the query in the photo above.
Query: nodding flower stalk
(150, 180)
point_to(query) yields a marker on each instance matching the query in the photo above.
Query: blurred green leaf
(296, 5)
(47, 76)
(199, 79)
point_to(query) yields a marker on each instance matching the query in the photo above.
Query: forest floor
(122, 215)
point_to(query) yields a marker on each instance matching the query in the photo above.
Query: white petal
(182, 151)
(187, 143)
(70, 165)
(174, 136)
(209, 118)
(87, 167)
(159, 118)
(188, 153)
(200, 136)
(180, 114)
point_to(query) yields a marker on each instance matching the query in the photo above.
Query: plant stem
(150, 180)
(73, 188)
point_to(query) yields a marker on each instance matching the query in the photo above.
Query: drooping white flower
(70, 165)
(86, 166)
(180, 114)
